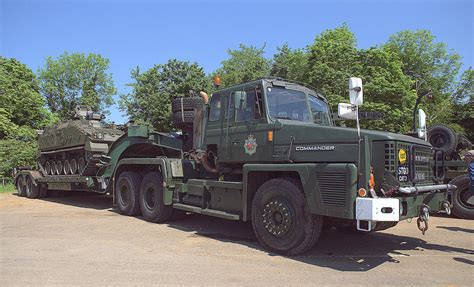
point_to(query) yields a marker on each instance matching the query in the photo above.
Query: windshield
(295, 105)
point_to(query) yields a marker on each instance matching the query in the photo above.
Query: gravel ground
(81, 240)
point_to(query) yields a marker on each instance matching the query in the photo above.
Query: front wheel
(281, 218)
(127, 191)
(151, 199)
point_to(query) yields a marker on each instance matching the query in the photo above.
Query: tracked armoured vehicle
(75, 147)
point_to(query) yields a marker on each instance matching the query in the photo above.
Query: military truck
(268, 152)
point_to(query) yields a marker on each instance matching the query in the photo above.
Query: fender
(163, 165)
(329, 189)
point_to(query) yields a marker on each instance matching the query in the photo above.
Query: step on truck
(269, 152)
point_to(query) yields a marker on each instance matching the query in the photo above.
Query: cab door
(248, 138)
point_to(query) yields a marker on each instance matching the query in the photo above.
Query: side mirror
(422, 124)
(346, 111)
(355, 91)
(240, 100)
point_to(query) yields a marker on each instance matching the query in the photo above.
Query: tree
(76, 79)
(20, 102)
(289, 64)
(244, 64)
(464, 103)
(332, 60)
(431, 66)
(21, 112)
(386, 89)
(150, 100)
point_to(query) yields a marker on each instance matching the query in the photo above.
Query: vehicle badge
(250, 145)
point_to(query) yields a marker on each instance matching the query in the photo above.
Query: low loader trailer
(267, 152)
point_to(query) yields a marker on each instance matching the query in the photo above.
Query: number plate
(402, 173)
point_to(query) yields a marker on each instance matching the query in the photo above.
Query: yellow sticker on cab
(402, 156)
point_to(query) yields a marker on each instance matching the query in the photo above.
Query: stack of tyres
(184, 112)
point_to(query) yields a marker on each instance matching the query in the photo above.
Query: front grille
(418, 166)
(390, 157)
(422, 158)
(333, 188)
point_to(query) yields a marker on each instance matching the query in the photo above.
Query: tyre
(443, 137)
(127, 193)
(32, 191)
(186, 104)
(463, 198)
(151, 199)
(20, 186)
(383, 225)
(281, 218)
(185, 118)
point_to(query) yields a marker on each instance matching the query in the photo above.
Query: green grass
(7, 188)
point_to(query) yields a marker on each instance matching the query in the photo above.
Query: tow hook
(423, 219)
(447, 207)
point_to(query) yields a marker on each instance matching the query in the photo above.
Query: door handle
(235, 142)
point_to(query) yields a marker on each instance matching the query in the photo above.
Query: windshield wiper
(283, 117)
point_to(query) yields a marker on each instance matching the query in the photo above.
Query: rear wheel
(151, 199)
(32, 191)
(463, 198)
(20, 187)
(281, 218)
(127, 193)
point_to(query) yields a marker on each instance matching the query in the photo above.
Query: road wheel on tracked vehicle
(81, 165)
(151, 199)
(463, 198)
(20, 186)
(59, 166)
(73, 166)
(66, 167)
(32, 190)
(47, 168)
(281, 218)
(127, 193)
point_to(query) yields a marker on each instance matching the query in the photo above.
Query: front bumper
(416, 189)
(394, 209)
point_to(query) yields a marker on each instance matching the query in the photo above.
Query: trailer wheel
(32, 191)
(463, 198)
(281, 218)
(127, 193)
(151, 199)
(20, 186)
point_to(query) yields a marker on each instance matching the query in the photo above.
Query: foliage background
(410, 65)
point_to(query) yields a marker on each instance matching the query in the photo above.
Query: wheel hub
(277, 217)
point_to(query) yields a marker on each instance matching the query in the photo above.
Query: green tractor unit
(268, 152)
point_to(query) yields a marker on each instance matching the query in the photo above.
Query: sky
(143, 33)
